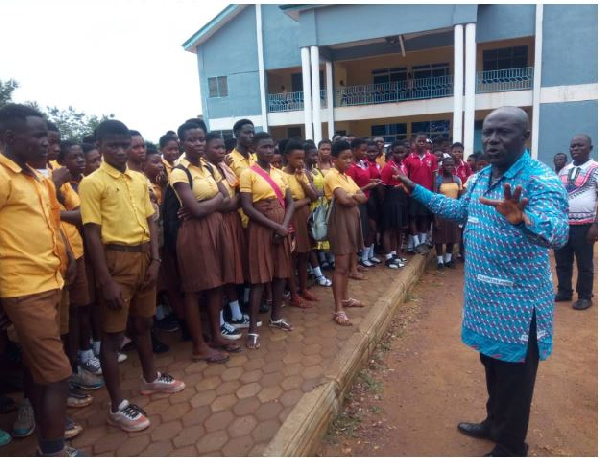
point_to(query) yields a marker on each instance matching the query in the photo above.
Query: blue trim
(210, 26)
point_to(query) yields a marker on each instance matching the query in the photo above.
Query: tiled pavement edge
(307, 423)
(277, 400)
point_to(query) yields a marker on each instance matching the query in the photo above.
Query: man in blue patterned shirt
(514, 211)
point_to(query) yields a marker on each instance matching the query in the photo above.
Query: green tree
(6, 90)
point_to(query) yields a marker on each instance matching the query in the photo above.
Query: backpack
(319, 220)
(170, 207)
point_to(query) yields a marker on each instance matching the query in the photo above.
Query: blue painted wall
(503, 22)
(280, 41)
(337, 24)
(559, 122)
(232, 52)
(570, 48)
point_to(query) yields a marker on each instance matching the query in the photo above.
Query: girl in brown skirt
(199, 242)
(303, 194)
(234, 253)
(344, 228)
(268, 202)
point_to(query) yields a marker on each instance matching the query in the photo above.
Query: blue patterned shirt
(507, 268)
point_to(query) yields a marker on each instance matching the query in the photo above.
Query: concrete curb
(309, 420)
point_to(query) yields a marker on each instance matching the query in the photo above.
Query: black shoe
(450, 265)
(560, 298)
(440, 266)
(167, 324)
(158, 346)
(582, 304)
(500, 451)
(475, 430)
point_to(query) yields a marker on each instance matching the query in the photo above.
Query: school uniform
(32, 265)
(199, 241)
(420, 170)
(120, 204)
(361, 175)
(301, 214)
(446, 231)
(395, 202)
(318, 177)
(376, 196)
(238, 164)
(344, 229)
(267, 258)
(234, 245)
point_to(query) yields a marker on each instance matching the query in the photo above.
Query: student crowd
(94, 235)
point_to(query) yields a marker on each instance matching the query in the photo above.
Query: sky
(107, 56)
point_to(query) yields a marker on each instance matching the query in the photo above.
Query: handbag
(319, 220)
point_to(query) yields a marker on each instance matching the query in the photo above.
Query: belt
(128, 248)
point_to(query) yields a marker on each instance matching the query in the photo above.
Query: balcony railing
(509, 79)
(398, 91)
(291, 101)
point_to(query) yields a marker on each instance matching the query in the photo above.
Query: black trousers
(577, 247)
(510, 390)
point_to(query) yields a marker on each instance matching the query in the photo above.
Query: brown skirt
(233, 249)
(343, 231)
(267, 259)
(300, 223)
(446, 231)
(199, 253)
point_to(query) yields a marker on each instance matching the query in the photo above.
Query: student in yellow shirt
(30, 270)
(344, 230)
(242, 156)
(303, 195)
(122, 240)
(268, 202)
(169, 147)
(137, 152)
(199, 242)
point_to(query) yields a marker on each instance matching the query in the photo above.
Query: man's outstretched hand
(512, 207)
(406, 183)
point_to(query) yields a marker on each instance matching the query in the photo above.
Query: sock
(236, 313)
(160, 313)
(447, 257)
(365, 255)
(221, 321)
(440, 259)
(96, 347)
(372, 251)
(246, 295)
(415, 239)
(423, 237)
(86, 355)
(389, 256)
(317, 272)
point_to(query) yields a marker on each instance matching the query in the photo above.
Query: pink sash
(258, 169)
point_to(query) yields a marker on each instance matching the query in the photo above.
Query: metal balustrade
(508, 79)
(290, 101)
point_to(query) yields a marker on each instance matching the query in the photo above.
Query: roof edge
(211, 27)
(293, 10)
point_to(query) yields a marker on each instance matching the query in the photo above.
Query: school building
(395, 70)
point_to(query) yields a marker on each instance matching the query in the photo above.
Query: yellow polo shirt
(30, 249)
(252, 182)
(239, 163)
(70, 230)
(334, 179)
(219, 178)
(295, 187)
(119, 203)
(204, 186)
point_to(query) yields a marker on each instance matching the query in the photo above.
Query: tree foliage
(72, 124)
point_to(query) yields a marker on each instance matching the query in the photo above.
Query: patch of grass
(376, 409)
(345, 424)
(371, 384)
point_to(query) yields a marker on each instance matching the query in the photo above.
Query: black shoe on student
(450, 264)
(168, 324)
(158, 346)
(478, 430)
(582, 304)
(561, 298)
(440, 266)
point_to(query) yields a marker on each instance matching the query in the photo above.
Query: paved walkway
(233, 409)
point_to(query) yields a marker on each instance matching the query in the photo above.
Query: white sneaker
(129, 417)
(243, 323)
(230, 332)
(322, 280)
(122, 357)
(375, 260)
(92, 365)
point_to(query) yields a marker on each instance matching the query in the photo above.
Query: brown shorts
(79, 293)
(128, 270)
(63, 313)
(36, 320)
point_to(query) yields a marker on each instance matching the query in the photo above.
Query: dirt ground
(422, 381)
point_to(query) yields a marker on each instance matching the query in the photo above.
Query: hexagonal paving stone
(266, 430)
(189, 436)
(246, 406)
(291, 397)
(228, 387)
(268, 411)
(272, 379)
(239, 446)
(269, 394)
(249, 390)
(242, 426)
(292, 382)
(251, 375)
(196, 416)
(232, 373)
(209, 383)
(167, 431)
(203, 398)
(219, 420)
(224, 402)
(211, 442)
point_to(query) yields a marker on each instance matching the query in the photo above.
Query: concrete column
(537, 81)
(261, 67)
(459, 75)
(305, 55)
(316, 94)
(470, 83)
(330, 98)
